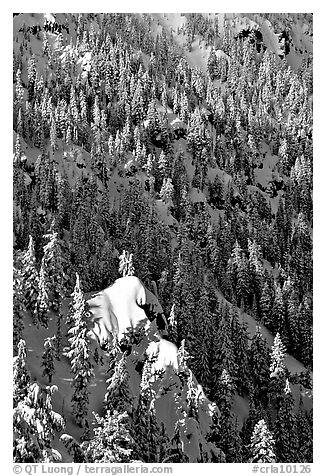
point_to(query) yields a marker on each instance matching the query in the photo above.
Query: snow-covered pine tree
(80, 356)
(173, 332)
(74, 449)
(304, 434)
(126, 267)
(21, 376)
(285, 433)
(58, 336)
(18, 307)
(48, 357)
(42, 302)
(262, 444)
(259, 363)
(52, 262)
(146, 431)
(35, 424)
(112, 441)
(240, 338)
(202, 347)
(224, 350)
(117, 397)
(277, 371)
(225, 393)
(30, 277)
(167, 190)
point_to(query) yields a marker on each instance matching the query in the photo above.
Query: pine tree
(240, 339)
(202, 345)
(117, 397)
(225, 393)
(58, 336)
(224, 351)
(35, 424)
(173, 332)
(112, 441)
(48, 357)
(286, 442)
(18, 307)
(74, 449)
(42, 302)
(79, 356)
(167, 190)
(277, 367)
(30, 276)
(278, 312)
(304, 435)
(277, 371)
(21, 376)
(52, 263)
(259, 359)
(126, 267)
(262, 444)
(145, 428)
(265, 304)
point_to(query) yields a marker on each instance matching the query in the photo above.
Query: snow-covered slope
(169, 388)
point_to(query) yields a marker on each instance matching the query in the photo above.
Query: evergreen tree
(146, 429)
(35, 424)
(52, 263)
(112, 441)
(126, 267)
(262, 444)
(224, 350)
(117, 397)
(225, 393)
(259, 359)
(21, 376)
(286, 442)
(277, 371)
(304, 435)
(48, 357)
(173, 333)
(79, 356)
(241, 350)
(42, 301)
(18, 308)
(30, 276)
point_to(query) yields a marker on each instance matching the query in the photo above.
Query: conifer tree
(48, 357)
(112, 441)
(277, 371)
(58, 336)
(35, 424)
(42, 301)
(146, 430)
(117, 397)
(21, 376)
(173, 332)
(304, 435)
(286, 442)
(126, 267)
(225, 393)
(259, 359)
(240, 339)
(262, 444)
(202, 345)
(79, 356)
(18, 307)
(166, 193)
(52, 263)
(30, 276)
(224, 351)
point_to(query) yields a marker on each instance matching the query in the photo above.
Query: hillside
(176, 148)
